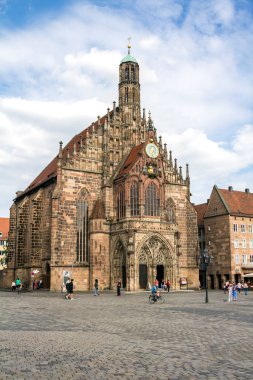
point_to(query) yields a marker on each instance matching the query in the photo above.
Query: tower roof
(128, 58)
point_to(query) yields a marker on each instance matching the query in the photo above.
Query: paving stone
(44, 337)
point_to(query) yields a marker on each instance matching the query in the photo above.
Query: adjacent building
(4, 231)
(112, 205)
(225, 226)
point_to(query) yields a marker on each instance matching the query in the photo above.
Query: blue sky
(59, 69)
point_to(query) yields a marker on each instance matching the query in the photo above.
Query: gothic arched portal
(155, 261)
(119, 265)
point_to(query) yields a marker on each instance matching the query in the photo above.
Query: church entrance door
(143, 276)
(160, 274)
(119, 266)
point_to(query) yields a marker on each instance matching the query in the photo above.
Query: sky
(59, 70)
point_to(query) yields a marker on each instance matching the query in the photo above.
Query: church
(112, 205)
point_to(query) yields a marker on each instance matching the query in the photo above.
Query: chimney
(247, 191)
(230, 188)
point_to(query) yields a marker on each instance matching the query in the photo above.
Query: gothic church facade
(112, 205)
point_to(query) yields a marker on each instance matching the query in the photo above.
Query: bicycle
(156, 298)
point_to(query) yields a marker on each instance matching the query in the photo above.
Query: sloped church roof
(50, 170)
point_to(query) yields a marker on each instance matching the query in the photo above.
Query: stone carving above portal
(143, 258)
(159, 259)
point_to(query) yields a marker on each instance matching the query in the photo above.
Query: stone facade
(228, 229)
(113, 205)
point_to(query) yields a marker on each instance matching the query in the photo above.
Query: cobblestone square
(44, 336)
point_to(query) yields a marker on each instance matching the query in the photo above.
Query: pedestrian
(71, 289)
(96, 293)
(245, 288)
(118, 287)
(67, 288)
(229, 292)
(18, 285)
(13, 286)
(234, 291)
(227, 285)
(168, 285)
(239, 286)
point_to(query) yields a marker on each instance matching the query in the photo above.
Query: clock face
(152, 150)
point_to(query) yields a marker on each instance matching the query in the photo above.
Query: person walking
(13, 286)
(245, 288)
(71, 289)
(229, 292)
(239, 287)
(118, 287)
(168, 284)
(18, 285)
(96, 293)
(67, 288)
(234, 291)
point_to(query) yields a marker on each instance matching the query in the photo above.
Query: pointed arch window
(152, 201)
(134, 199)
(82, 231)
(127, 73)
(121, 204)
(126, 94)
(132, 73)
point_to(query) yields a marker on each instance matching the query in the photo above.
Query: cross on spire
(129, 44)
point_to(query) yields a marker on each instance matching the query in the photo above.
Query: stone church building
(111, 205)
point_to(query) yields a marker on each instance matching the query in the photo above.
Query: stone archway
(119, 265)
(156, 255)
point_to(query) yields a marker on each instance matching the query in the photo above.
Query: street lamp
(204, 260)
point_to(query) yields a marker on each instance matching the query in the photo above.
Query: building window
(243, 229)
(127, 73)
(244, 259)
(134, 199)
(235, 227)
(82, 230)
(244, 243)
(237, 259)
(251, 243)
(251, 258)
(251, 229)
(236, 243)
(152, 201)
(132, 73)
(121, 204)
(126, 94)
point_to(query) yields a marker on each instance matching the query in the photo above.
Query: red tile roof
(4, 228)
(201, 209)
(130, 160)
(238, 202)
(50, 170)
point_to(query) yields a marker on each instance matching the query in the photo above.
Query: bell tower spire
(129, 88)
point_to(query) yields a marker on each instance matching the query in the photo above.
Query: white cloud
(58, 74)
